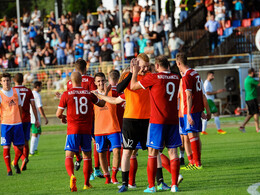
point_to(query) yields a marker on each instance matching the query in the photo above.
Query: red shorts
(136, 19)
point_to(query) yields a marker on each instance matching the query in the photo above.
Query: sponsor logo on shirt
(12, 103)
(168, 77)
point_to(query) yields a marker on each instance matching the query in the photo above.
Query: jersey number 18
(81, 105)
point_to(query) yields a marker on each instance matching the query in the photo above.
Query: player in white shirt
(210, 94)
(40, 112)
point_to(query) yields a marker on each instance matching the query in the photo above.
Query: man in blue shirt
(212, 27)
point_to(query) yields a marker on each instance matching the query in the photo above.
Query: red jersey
(192, 82)
(163, 88)
(120, 107)
(87, 83)
(79, 103)
(26, 98)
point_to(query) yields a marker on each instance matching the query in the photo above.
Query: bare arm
(35, 113)
(134, 85)
(216, 92)
(20, 110)
(189, 104)
(61, 116)
(206, 105)
(43, 114)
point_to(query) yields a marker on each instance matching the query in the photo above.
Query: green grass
(231, 164)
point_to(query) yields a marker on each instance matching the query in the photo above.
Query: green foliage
(231, 165)
(81, 5)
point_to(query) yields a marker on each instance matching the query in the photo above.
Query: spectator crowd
(97, 38)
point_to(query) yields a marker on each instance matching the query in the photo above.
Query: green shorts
(212, 106)
(35, 129)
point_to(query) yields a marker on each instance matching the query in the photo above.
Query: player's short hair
(80, 65)
(37, 84)
(182, 57)
(143, 56)
(6, 74)
(100, 74)
(250, 70)
(114, 75)
(210, 72)
(18, 78)
(162, 61)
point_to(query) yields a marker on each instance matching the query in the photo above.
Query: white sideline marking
(253, 189)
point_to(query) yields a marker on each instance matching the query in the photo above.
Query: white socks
(32, 145)
(217, 122)
(181, 154)
(37, 142)
(204, 125)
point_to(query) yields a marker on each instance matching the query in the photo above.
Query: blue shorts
(197, 127)
(181, 127)
(112, 140)
(159, 134)
(73, 142)
(26, 130)
(12, 133)
(138, 146)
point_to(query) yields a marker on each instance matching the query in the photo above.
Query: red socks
(190, 158)
(195, 147)
(133, 170)
(18, 151)
(107, 176)
(151, 170)
(87, 168)
(96, 159)
(69, 165)
(114, 172)
(165, 162)
(6, 154)
(175, 169)
(25, 152)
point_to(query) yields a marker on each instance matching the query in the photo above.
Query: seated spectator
(105, 38)
(129, 34)
(117, 63)
(54, 40)
(47, 59)
(149, 49)
(86, 32)
(135, 31)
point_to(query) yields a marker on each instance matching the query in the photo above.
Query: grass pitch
(231, 164)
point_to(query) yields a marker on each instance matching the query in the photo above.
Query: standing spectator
(220, 11)
(175, 44)
(153, 12)
(129, 49)
(116, 40)
(238, 9)
(146, 11)
(36, 14)
(61, 58)
(212, 27)
(92, 21)
(78, 47)
(167, 22)
(78, 19)
(52, 19)
(141, 43)
(63, 33)
(93, 59)
(101, 30)
(184, 10)
(251, 85)
(71, 34)
(228, 6)
(69, 54)
(105, 58)
(47, 59)
(127, 12)
(209, 4)
(32, 30)
(135, 31)
(137, 12)
(157, 43)
(129, 34)
(54, 40)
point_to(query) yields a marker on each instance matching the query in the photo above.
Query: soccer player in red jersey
(163, 128)
(88, 84)
(79, 103)
(27, 100)
(194, 103)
